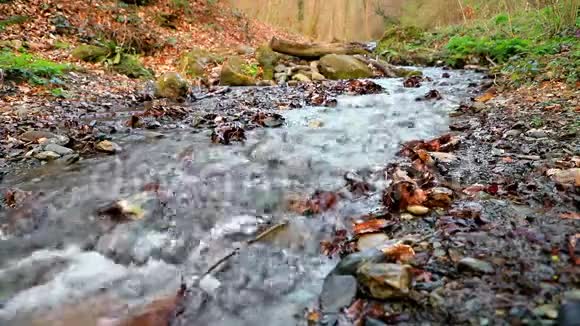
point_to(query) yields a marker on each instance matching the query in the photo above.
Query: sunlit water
(71, 265)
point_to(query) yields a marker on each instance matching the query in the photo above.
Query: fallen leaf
(370, 226)
(570, 216)
(485, 97)
(399, 252)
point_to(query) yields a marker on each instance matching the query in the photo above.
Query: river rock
(280, 68)
(385, 281)
(338, 291)
(233, 75)
(90, 53)
(338, 66)
(478, 106)
(314, 66)
(351, 263)
(171, 85)
(317, 76)
(301, 78)
(69, 159)
(60, 150)
(46, 156)
(418, 210)
(107, 146)
(475, 265)
(536, 133)
(194, 62)
(371, 240)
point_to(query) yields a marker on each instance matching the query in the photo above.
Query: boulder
(171, 85)
(301, 78)
(194, 62)
(339, 66)
(90, 53)
(268, 60)
(232, 73)
(385, 281)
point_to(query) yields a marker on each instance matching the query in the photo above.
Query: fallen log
(315, 50)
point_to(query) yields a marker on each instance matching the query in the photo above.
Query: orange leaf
(399, 252)
(485, 97)
(370, 226)
(570, 216)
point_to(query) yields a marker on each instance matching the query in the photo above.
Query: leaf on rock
(370, 226)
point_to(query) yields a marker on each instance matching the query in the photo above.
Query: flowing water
(64, 266)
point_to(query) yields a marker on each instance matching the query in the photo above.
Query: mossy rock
(268, 60)
(171, 85)
(194, 62)
(402, 34)
(130, 66)
(233, 73)
(90, 53)
(339, 66)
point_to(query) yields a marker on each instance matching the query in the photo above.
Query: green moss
(12, 20)
(268, 59)
(91, 53)
(29, 67)
(130, 66)
(171, 85)
(233, 74)
(194, 62)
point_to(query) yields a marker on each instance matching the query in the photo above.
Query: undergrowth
(529, 45)
(31, 68)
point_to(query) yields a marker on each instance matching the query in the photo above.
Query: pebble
(351, 263)
(35, 135)
(385, 281)
(418, 210)
(338, 291)
(108, 147)
(475, 265)
(536, 133)
(548, 310)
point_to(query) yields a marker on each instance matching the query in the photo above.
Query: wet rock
(373, 322)
(46, 156)
(536, 133)
(412, 82)
(232, 73)
(351, 263)
(60, 150)
(108, 147)
(336, 66)
(315, 124)
(417, 210)
(385, 281)
(475, 265)
(445, 75)
(371, 240)
(171, 85)
(431, 95)
(228, 132)
(273, 122)
(69, 159)
(153, 135)
(338, 291)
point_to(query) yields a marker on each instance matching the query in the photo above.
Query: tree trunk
(315, 50)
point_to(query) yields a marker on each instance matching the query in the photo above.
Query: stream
(64, 266)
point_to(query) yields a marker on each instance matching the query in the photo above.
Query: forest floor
(497, 244)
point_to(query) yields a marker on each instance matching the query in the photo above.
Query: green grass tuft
(31, 68)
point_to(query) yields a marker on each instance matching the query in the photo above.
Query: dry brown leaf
(370, 226)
